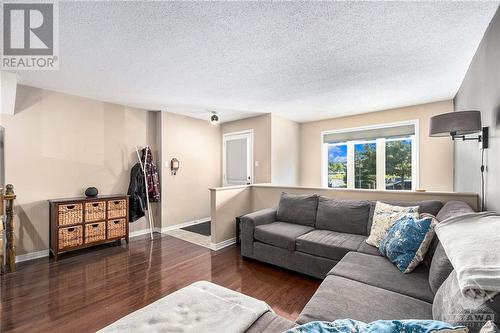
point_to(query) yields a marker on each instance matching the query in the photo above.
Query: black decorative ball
(91, 192)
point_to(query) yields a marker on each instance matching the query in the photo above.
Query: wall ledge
(344, 190)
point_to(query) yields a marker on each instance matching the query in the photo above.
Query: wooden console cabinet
(77, 223)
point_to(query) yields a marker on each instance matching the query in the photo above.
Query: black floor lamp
(461, 125)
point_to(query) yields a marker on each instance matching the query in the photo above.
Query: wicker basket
(117, 228)
(70, 214)
(117, 208)
(70, 237)
(95, 232)
(95, 211)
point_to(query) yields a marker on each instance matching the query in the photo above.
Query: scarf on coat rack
(152, 176)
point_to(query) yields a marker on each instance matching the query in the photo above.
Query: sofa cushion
(368, 249)
(339, 298)
(380, 272)
(328, 244)
(426, 206)
(280, 234)
(440, 268)
(347, 216)
(294, 260)
(298, 209)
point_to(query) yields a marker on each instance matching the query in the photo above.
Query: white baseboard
(215, 247)
(223, 244)
(32, 255)
(142, 232)
(185, 224)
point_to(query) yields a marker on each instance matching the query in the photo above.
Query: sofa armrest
(248, 224)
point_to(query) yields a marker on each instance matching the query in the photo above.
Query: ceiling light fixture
(214, 119)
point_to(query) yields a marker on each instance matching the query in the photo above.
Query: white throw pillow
(384, 217)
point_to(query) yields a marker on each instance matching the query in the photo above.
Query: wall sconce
(460, 125)
(174, 166)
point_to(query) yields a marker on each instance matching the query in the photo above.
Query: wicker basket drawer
(95, 232)
(95, 211)
(117, 208)
(117, 228)
(70, 237)
(70, 214)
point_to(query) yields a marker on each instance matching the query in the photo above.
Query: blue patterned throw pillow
(407, 241)
(379, 326)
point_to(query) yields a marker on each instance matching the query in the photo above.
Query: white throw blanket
(472, 243)
(199, 307)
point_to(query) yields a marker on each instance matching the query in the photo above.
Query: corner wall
(435, 154)
(56, 145)
(285, 151)
(197, 146)
(480, 90)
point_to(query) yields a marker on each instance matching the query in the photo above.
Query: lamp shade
(455, 123)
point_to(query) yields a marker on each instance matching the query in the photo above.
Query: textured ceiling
(302, 60)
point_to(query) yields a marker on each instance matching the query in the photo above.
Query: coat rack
(143, 168)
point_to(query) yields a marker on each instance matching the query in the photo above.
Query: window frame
(381, 158)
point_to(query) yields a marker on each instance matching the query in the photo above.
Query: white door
(237, 158)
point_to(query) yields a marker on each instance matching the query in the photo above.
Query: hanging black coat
(137, 193)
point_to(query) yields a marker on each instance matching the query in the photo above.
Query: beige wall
(261, 126)
(435, 154)
(285, 151)
(197, 146)
(266, 196)
(56, 145)
(227, 203)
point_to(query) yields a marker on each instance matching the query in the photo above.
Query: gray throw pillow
(298, 209)
(452, 307)
(440, 269)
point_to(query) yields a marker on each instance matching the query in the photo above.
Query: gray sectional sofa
(325, 238)
(310, 234)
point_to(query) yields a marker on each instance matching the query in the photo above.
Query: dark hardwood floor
(87, 290)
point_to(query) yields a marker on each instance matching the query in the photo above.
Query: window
(337, 165)
(365, 165)
(381, 157)
(398, 164)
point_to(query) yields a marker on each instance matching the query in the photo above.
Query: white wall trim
(223, 244)
(185, 224)
(32, 255)
(45, 253)
(141, 232)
